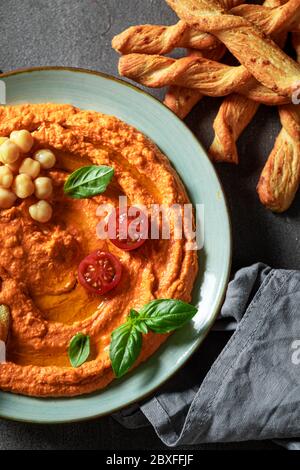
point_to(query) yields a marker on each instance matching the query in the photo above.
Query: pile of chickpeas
(19, 174)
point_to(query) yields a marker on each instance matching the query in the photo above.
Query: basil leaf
(79, 349)
(141, 326)
(125, 347)
(88, 181)
(165, 315)
(133, 314)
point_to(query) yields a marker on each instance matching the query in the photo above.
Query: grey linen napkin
(252, 390)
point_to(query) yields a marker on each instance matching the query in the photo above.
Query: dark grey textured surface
(78, 33)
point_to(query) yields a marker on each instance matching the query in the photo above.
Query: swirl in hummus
(39, 262)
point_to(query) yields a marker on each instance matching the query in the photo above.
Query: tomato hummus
(39, 261)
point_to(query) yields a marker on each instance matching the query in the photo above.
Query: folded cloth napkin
(252, 390)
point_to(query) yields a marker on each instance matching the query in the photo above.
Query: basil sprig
(166, 315)
(88, 181)
(125, 347)
(160, 316)
(79, 349)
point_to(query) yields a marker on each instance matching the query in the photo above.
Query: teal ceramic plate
(89, 90)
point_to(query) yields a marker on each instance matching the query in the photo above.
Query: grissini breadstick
(266, 61)
(279, 180)
(156, 39)
(284, 17)
(160, 71)
(207, 76)
(181, 99)
(161, 40)
(228, 4)
(280, 177)
(234, 115)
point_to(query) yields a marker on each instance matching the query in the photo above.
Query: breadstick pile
(255, 35)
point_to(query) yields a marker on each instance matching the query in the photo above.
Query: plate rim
(226, 276)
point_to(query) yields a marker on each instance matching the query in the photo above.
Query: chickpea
(9, 152)
(23, 139)
(14, 167)
(46, 158)
(30, 167)
(7, 198)
(23, 186)
(43, 187)
(41, 211)
(6, 177)
(3, 139)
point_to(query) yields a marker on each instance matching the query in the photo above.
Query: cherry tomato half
(100, 272)
(132, 228)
